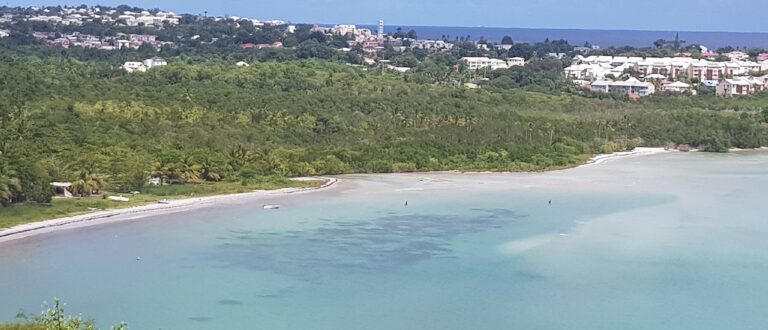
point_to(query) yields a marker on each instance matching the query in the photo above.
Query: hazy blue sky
(680, 15)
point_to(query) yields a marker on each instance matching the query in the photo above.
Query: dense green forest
(92, 124)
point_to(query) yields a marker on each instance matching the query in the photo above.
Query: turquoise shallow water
(674, 241)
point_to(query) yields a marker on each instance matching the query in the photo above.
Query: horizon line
(539, 28)
(417, 25)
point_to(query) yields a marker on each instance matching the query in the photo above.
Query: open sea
(603, 38)
(670, 241)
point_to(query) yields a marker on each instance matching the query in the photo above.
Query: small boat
(118, 198)
(271, 207)
(164, 201)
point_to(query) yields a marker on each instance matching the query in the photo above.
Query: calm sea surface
(673, 241)
(604, 38)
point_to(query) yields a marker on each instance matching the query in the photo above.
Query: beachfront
(642, 239)
(155, 209)
(189, 204)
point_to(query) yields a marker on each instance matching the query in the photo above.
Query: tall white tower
(380, 32)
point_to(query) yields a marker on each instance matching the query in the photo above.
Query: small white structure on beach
(118, 198)
(62, 189)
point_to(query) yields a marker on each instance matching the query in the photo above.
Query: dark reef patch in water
(367, 246)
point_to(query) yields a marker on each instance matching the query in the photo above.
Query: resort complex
(672, 74)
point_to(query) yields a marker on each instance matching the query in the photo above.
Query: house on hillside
(476, 63)
(134, 66)
(631, 86)
(145, 65)
(710, 84)
(515, 61)
(742, 86)
(738, 55)
(709, 55)
(705, 70)
(676, 87)
(155, 62)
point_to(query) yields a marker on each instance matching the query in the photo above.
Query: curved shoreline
(181, 205)
(647, 151)
(186, 204)
(130, 213)
(639, 151)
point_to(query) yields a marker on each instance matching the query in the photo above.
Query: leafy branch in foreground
(55, 318)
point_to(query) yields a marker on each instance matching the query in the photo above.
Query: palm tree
(238, 156)
(9, 189)
(209, 171)
(164, 170)
(88, 184)
(188, 170)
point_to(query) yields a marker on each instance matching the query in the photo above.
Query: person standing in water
(406, 203)
(550, 202)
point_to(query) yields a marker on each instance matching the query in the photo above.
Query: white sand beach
(639, 151)
(130, 213)
(180, 205)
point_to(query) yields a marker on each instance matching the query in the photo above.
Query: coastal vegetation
(27, 212)
(54, 317)
(195, 124)
(203, 125)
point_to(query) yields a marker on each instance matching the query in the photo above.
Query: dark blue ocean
(603, 38)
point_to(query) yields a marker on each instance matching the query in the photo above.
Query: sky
(669, 15)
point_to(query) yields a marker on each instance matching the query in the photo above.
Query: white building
(630, 86)
(432, 45)
(742, 86)
(515, 61)
(145, 65)
(155, 62)
(343, 29)
(589, 72)
(476, 63)
(672, 68)
(129, 20)
(134, 66)
(676, 87)
(737, 55)
(400, 69)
